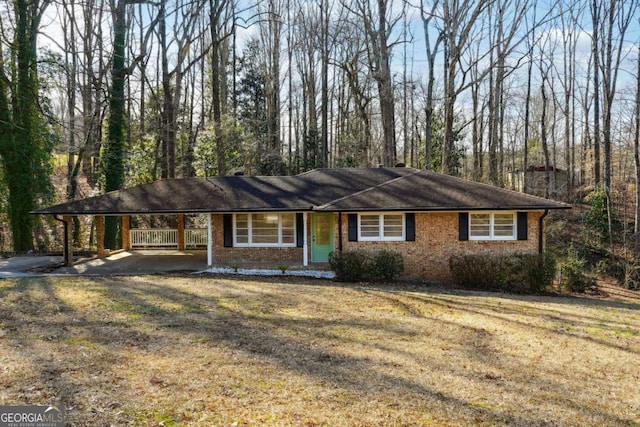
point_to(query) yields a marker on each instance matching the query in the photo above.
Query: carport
(181, 198)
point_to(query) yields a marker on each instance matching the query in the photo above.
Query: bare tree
(431, 52)
(221, 27)
(636, 157)
(508, 17)
(569, 42)
(378, 26)
(270, 36)
(179, 46)
(458, 23)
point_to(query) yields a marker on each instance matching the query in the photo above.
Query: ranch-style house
(298, 220)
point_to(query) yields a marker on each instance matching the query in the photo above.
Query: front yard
(204, 351)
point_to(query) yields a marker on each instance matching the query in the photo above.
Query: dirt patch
(203, 351)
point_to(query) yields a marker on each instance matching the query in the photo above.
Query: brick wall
(282, 256)
(437, 240)
(427, 257)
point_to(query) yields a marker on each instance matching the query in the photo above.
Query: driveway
(123, 263)
(140, 262)
(24, 265)
(135, 263)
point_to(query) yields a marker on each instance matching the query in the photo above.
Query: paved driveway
(20, 266)
(139, 262)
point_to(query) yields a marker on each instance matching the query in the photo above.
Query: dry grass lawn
(207, 351)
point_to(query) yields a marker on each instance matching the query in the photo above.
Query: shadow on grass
(248, 319)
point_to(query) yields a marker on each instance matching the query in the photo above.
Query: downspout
(339, 231)
(67, 259)
(541, 231)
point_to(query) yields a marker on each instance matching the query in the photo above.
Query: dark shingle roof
(321, 189)
(430, 191)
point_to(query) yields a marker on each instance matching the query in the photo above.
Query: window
(386, 226)
(265, 229)
(492, 226)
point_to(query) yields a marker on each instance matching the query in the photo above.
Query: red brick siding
(427, 257)
(286, 255)
(437, 240)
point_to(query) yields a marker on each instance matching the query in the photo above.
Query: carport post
(67, 223)
(100, 235)
(181, 245)
(68, 241)
(209, 242)
(126, 233)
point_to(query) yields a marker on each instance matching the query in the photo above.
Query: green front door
(321, 236)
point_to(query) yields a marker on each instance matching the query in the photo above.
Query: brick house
(298, 220)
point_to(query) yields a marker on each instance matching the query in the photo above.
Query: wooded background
(105, 94)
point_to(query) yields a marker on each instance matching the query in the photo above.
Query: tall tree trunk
(636, 158)
(324, 77)
(25, 155)
(431, 53)
(543, 133)
(385, 88)
(116, 127)
(595, 45)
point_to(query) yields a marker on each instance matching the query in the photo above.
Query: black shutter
(463, 225)
(522, 226)
(227, 225)
(410, 224)
(353, 227)
(299, 230)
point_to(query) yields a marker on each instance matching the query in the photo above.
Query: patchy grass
(203, 351)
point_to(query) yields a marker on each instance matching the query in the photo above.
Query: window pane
(370, 226)
(480, 225)
(288, 228)
(264, 228)
(242, 228)
(503, 225)
(392, 225)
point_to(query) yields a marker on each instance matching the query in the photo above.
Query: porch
(146, 249)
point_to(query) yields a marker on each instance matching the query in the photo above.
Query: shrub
(534, 272)
(350, 266)
(478, 271)
(387, 264)
(631, 276)
(529, 273)
(356, 266)
(573, 277)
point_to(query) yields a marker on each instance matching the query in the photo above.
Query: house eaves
(346, 190)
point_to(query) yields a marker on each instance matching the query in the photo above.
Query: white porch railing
(154, 237)
(167, 237)
(195, 237)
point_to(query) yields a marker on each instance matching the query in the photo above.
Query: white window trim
(491, 236)
(381, 237)
(250, 232)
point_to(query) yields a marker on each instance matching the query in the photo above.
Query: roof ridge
(417, 171)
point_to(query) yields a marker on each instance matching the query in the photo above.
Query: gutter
(541, 231)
